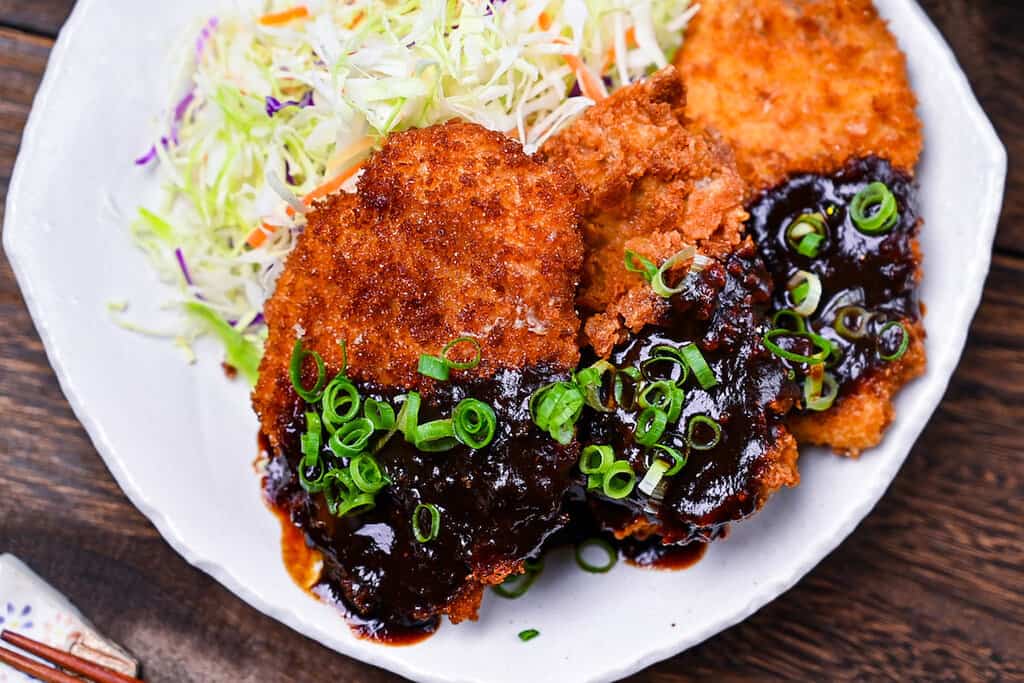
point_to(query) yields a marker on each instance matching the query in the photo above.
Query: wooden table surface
(930, 587)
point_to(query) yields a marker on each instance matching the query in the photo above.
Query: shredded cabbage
(267, 114)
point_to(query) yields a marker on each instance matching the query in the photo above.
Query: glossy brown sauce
(876, 272)
(657, 555)
(723, 313)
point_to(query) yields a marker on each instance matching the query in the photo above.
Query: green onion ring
(632, 376)
(380, 413)
(695, 359)
(310, 442)
(648, 365)
(696, 422)
(812, 296)
(814, 398)
(658, 281)
(612, 553)
(528, 634)
(594, 481)
(436, 436)
(350, 439)
(435, 522)
(555, 408)
(515, 585)
(474, 422)
(655, 473)
(789, 314)
(886, 212)
(678, 459)
(904, 341)
(467, 365)
(605, 457)
(434, 368)
(591, 381)
(409, 416)
(664, 395)
(341, 393)
(299, 356)
(650, 425)
(355, 505)
(806, 233)
(366, 473)
(844, 330)
(820, 342)
(646, 267)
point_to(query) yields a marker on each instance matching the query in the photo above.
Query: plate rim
(992, 148)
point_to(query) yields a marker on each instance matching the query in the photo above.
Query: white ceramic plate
(180, 440)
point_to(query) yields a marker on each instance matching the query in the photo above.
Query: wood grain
(928, 588)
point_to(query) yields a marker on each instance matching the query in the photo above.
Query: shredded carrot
(590, 85)
(544, 21)
(327, 188)
(356, 20)
(609, 56)
(278, 18)
(259, 235)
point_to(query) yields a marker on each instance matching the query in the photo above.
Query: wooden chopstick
(95, 672)
(33, 668)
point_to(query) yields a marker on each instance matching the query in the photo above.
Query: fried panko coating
(800, 85)
(656, 185)
(453, 231)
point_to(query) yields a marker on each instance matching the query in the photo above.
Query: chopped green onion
(626, 382)
(810, 246)
(806, 233)
(874, 210)
(904, 341)
(703, 422)
(674, 363)
(351, 438)
(855, 313)
(340, 402)
(811, 284)
(435, 436)
(362, 502)
(635, 263)
(800, 325)
(695, 359)
(311, 443)
(556, 407)
(618, 480)
(474, 422)
(434, 368)
(516, 585)
(814, 398)
(299, 355)
(409, 416)
(658, 281)
(591, 381)
(678, 458)
(612, 555)
(594, 481)
(528, 634)
(595, 459)
(824, 345)
(650, 425)
(435, 522)
(467, 365)
(653, 476)
(380, 413)
(664, 395)
(366, 473)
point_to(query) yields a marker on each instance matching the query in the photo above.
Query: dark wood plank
(44, 17)
(928, 588)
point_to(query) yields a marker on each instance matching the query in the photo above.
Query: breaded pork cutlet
(812, 87)
(800, 86)
(657, 184)
(453, 232)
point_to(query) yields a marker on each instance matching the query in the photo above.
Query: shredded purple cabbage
(184, 266)
(275, 105)
(288, 173)
(204, 36)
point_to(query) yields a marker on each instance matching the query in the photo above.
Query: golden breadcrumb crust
(800, 85)
(655, 185)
